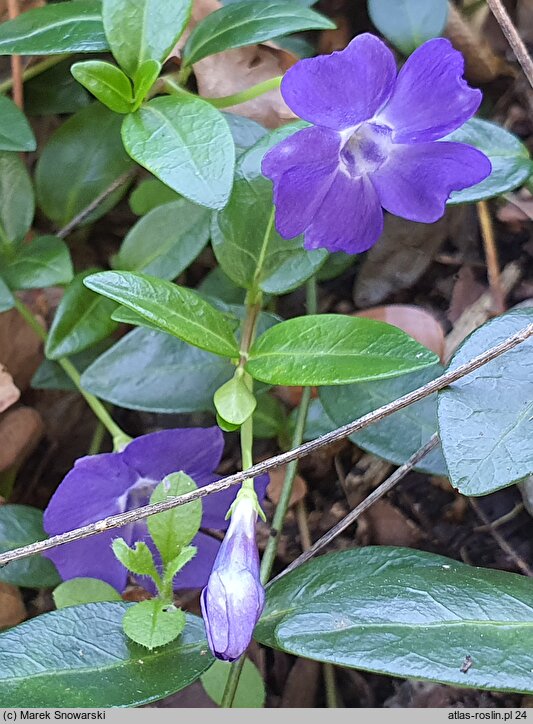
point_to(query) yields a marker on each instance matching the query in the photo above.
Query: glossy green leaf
(17, 203)
(246, 245)
(247, 23)
(218, 285)
(269, 417)
(318, 422)
(485, 418)
(7, 301)
(187, 144)
(250, 693)
(153, 623)
(155, 372)
(398, 436)
(106, 82)
(234, 402)
(166, 240)
(150, 194)
(111, 670)
(83, 590)
(43, 262)
(175, 310)
(54, 91)
(50, 376)
(81, 320)
(333, 349)
(246, 133)
(174, 529)
(80, 161)
(409, 23)
(140, 30)
(144, 78)
(510, 159)
(21, 525)
(15, 131)
(138, 558)
(67, 27)
(406, 613)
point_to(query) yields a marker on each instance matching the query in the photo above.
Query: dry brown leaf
(296, 695)
(292, 396)
(385, 525)
(9, 392)
(466, 291)
(20, 431)
(415, 321)
(277, 476)
(12, 609)
(20, 348)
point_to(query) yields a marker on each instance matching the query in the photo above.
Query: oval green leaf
(247, 23)
(406, 613)
(43, 262)
(67, 27)
(106, 82)
(250, 693)
(332, 349)
(15, 131)
(511, 163)
(409, 23)
(187, 144)
(485, 418)
(7, 301)
(176, 310)
(80, 657)
(83, 590)
(17, 204)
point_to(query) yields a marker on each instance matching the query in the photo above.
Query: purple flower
(374, 143)
(234, 597)
(111, 483)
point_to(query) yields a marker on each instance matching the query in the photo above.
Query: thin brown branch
(117, 521)
(514, 39)
(353, 515)
(16, 61)
(491, 256)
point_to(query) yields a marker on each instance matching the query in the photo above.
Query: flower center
(366, 149)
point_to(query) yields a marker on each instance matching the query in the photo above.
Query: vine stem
(119, 437)
(145, 511)
(34, 70)
(169, 84)
(513, 37)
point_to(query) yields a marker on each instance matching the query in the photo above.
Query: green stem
(169, 84)
(35, 70)
(120, 439)
(97, 439)
(330, 685)
(232, 683)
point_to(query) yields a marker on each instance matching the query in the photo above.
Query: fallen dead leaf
(466, 291)
(415, 321)
(9, 392)
(385, 525)
(12, 609)
(20, 348)
(292, 396)
(277, 476)
(20, 431)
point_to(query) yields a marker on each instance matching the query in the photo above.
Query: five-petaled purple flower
(234, 597)
(374, 143)
(103, 485)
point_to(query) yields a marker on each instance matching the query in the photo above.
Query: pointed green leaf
(187, 144)
(17, 203)
(234, 402)
(175, 310)
(15, 131)
(106, 82)
(144, 78)
(174, 566)
(138, 559)
(83, 590)
(44, 262)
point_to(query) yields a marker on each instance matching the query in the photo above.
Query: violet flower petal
(417, 180)
(350, 218)
(342, 89)
(316, 146)
(431, 97)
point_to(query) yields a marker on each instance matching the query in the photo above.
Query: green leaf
(106, 82)
(80, 161)
(247, 23)
(17, 204)
(187, 144)
(144, 78)
(80, 657)
(140, 30)
(166, 240)
(250, 692)
(234, 402)
(174, 529)
(398, 436)
(174, 566)
(7, 301)
(175, 310)
(138, 559)
(50, 376)
(83, 590)
(67, 27)
(511, 163)
(150, 194)
(217, 285)
(153, 623)
(333, 349)
(55, 91)
(318, 422)
(246, 133)
(15, 131)
(44, 262)
(82, 319)
(269, 417)
(409, 23)
(485, 418)
(21, 525)
(140, 371)
(406, 613)
(246, 245)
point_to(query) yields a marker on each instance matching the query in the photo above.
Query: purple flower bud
(234, 598)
